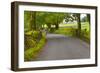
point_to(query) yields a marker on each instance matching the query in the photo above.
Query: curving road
(59, 47)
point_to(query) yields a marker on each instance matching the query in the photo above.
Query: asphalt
(61, 47)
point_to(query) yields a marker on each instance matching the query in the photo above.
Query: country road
(60, 47)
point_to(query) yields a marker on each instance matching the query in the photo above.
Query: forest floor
(60, 47)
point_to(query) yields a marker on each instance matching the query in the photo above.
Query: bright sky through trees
(83, 15)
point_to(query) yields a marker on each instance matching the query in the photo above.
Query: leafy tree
(59, 18)
(74, 17)
(88, 18)
(40, 19)
(27, 19)
(30, 20)
(53, 18)
(79, 24)
(33, 20)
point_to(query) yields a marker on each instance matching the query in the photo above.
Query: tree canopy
(34, 20)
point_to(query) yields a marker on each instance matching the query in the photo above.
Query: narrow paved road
(60, 47)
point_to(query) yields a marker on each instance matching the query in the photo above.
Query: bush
(29, 42)
(85, 35)
(31, 38)
(28, 33)
(52, 30)
(35, 34)
(31, 53)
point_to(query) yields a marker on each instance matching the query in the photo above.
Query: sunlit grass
(70, 30)
(68, 25)
(64, 31)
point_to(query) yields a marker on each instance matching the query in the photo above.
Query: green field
(70, 30)
(84, 25)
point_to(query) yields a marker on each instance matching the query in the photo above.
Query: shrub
(28, 33)
(29, 42)
(32, 53)
(31, 38)
(35, 34)
(85, 35)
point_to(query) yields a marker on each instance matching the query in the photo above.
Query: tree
(53, 18)
(70, 17)
(88, 18)
(59, 18)
(30, 20)
(74, 17)
(40, 19)
(79, 24)
(34, 20)
(27, 19)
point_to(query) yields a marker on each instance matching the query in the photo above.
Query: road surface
(61, 47)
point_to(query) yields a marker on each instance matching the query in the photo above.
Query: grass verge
(32, 53)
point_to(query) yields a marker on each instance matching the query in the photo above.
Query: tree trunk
(34, 20)
(57, 26)
(31, 23)
(79, 25)
(49, 26)
(88, 17)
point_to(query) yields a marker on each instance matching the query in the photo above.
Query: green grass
(84, 25)
(66, 25)
(64, 31)
(70, 30)
(31, 53)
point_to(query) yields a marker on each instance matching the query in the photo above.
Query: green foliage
(54, 18)
(27, 19)
(40, 19)
(35, 34)
(32, 44)
(71, 17)
(29, 42)
(71, 30)
(31, 38)
(32, 53)
(28, 33)
(34, 39)
(85, 35)
(85, 25)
